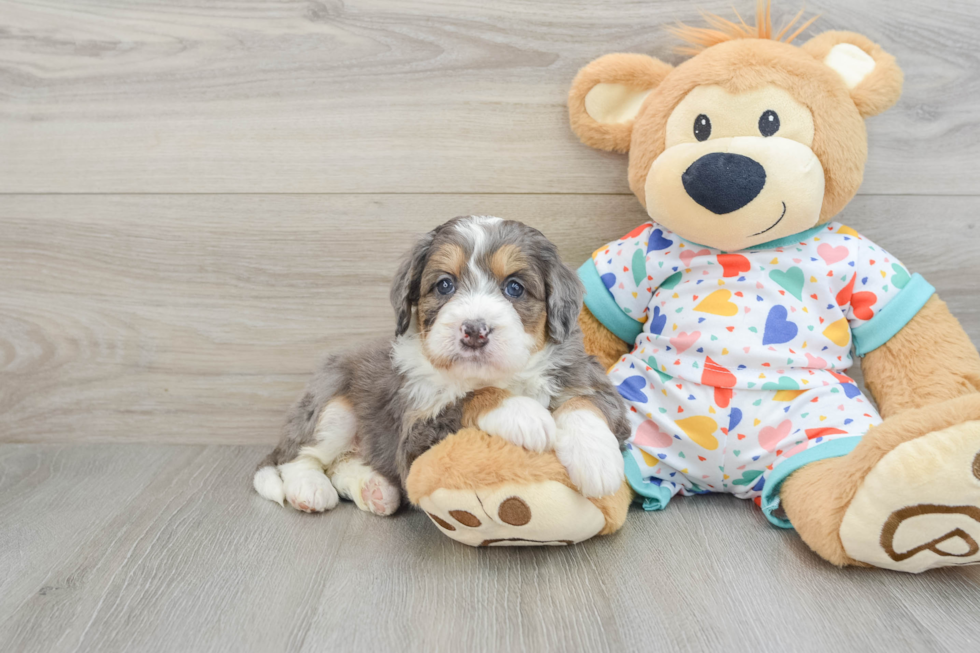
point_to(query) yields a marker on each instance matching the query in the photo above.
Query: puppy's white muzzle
(480, 329)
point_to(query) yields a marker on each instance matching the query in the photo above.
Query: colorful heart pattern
(683, 341)
(684, 440)
(648, 434)
(741, 360)
(631, 389)
(779, 328)
(783, 310)
(771, 436)
(689, 255)
(718, 303)
(831, 254)
(701, 431)
(791, 279)
(733, 265)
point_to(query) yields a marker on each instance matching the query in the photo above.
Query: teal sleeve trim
(895, 315)
(602, 304)
(770, 491)
(655, 497)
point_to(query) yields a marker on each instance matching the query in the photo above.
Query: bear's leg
(906, 498)
(483, 491)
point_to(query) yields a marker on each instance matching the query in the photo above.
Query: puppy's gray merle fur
(487, 336)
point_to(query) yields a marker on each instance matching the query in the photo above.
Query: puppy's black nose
(723, 182)
(475, 333)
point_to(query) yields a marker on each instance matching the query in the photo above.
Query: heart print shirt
(780, 316)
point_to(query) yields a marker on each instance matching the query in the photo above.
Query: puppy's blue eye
(514, 288)
(445, 287)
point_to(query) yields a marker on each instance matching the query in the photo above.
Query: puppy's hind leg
(305, 484)
(368, 489)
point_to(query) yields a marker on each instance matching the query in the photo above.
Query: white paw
(268, 484)
(368, 489)
(590, 453)
(379, 496)
(521, 421)
(309, 490)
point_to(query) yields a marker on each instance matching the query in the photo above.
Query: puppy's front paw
(590, 453)
(521, 421)
(309, 490)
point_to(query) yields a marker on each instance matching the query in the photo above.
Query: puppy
(487, 336)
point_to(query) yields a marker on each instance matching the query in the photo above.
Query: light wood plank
(402, 95)
(198, 318)
(183, 556)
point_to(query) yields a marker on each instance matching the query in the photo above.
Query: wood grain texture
(403, 96)
(169, 325)
(110, 548)
(199, 318)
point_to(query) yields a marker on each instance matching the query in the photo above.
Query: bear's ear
(608, 93)
(870, 73)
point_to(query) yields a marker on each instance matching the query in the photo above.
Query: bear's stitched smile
(774, 223)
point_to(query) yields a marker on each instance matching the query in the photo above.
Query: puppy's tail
(267, 481)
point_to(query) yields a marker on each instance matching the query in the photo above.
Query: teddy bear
(729, 320)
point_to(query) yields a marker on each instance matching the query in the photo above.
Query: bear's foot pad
(919, 507)
(537, 514)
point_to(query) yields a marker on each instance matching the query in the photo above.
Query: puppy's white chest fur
(536, 380)
(429, 390)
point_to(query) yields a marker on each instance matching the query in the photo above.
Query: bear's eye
(702, 127)
(768, 123)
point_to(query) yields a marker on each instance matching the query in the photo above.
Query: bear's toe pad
(547, 513)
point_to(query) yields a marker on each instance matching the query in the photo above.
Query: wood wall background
(198, 199)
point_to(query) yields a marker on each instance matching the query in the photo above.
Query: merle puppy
(487, 336)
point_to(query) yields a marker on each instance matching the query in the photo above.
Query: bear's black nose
(722, 182)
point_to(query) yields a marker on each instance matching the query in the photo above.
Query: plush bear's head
(750, 140)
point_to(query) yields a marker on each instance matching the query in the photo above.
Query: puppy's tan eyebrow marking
(449, 258)
(506, 261)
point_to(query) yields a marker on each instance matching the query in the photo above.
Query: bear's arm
(600, 341)
(929, 361)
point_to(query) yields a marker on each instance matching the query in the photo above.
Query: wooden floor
(198, 199)
(142, 547)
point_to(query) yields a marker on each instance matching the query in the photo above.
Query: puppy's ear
(565, 293)
(406, 287)
(607, 95)
(870, 73)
